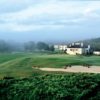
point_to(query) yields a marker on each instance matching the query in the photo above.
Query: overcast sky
(23, 20)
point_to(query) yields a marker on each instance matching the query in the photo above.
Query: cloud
(44, 10)
(27, 28)
(11, 6)
(52, 14)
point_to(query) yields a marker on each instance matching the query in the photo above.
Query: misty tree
(5, 47)
(29, 46)
(42, 46)
(51, 48)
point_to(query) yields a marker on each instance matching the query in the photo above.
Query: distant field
(21, 64)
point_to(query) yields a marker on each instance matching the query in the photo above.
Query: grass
(20, 65)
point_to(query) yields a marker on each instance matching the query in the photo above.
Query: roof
(77, 46)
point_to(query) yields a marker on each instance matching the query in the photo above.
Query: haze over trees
(5, 47)
(30, 46)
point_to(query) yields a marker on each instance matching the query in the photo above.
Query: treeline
(41, 46)
(52, 87)
(5, 47)
(30, 46)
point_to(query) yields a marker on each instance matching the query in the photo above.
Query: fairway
(20, 64)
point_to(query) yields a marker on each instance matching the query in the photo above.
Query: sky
(49, 20)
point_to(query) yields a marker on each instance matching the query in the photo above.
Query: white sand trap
(76, 69)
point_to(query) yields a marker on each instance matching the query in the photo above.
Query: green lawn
(21, 64)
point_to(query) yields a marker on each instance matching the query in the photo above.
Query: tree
(29, 46)
(51, 48)
(4, 46)
(42, 46)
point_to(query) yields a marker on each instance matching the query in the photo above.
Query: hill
(95, 43)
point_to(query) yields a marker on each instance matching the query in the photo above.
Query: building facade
(60, 47)
(96, 53)
(73, 49)
(77, 49)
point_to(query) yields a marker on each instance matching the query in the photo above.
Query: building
(96, 53)
(77, 49)
(60, 47)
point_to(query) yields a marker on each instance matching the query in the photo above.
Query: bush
(52, 87)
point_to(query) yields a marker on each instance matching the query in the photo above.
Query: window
(74, 49)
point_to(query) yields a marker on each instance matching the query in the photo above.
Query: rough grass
(20, 65)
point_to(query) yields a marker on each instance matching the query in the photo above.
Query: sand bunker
(76, 69)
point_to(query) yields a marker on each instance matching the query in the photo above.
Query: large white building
(74, 48)
(78, 48)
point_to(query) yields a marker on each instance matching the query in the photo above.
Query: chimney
(89, 46)
(81, 44)
(73, 44)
